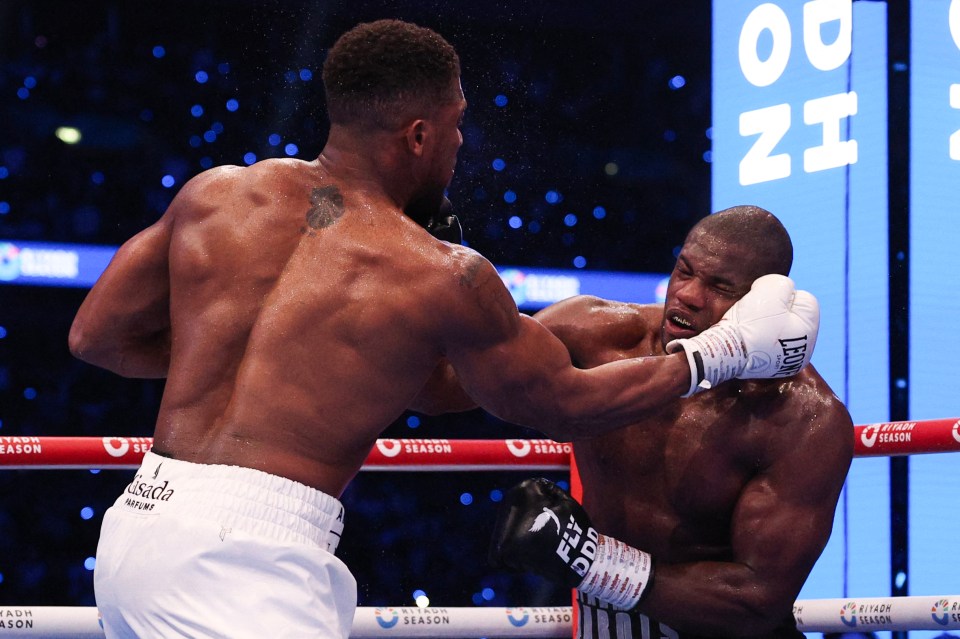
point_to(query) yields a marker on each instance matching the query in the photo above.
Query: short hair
(757, 228)
(386, 72)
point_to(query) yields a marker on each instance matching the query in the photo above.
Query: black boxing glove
(444, 225)
(437, 219)
(542, 529)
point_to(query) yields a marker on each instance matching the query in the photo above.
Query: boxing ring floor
(851, 614)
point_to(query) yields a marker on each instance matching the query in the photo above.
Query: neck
(367, 162)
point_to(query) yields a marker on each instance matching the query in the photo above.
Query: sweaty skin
(296, 312)
(732, 491)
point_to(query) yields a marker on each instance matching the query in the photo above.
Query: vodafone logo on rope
(389, 447)
(956, 431)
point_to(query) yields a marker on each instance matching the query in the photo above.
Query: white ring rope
(941, 612)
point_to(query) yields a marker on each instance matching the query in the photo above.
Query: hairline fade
(384, 73)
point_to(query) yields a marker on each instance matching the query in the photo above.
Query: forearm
(594, 401)
(146, 356)
(530, 380)
(731, 599)
(123, 324)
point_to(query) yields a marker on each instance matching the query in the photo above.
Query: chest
(672, 482)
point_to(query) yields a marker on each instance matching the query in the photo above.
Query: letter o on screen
(770, 17)
(955, 21)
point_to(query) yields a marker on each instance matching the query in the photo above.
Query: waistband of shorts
(244, 499)
(590, 601)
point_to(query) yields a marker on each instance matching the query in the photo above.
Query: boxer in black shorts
(706, 516)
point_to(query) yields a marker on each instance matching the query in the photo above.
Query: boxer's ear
(415, 136)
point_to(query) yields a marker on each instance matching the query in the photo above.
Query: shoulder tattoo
(487, 292)
(327, 208)
(471, 271)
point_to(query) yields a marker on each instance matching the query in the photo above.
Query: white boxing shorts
(195, 550)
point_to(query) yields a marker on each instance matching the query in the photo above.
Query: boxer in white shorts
(202, 550)
(297, 309)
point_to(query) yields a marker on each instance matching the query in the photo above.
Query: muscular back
(299, 318)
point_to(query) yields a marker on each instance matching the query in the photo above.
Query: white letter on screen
(816, 13)
(771, 123)
(829, 111)
(763, 73)
(954, 20)
(955, 136)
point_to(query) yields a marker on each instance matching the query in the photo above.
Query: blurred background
(586, 147)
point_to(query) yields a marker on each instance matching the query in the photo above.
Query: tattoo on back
(327, 208)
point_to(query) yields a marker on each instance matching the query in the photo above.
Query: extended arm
(443, 392)
(124, 323)
(519, 371)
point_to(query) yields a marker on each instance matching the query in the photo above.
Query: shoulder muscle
(587, 325)
(485, 312)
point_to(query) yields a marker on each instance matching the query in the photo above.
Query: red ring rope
(388, 454)
(871, 440)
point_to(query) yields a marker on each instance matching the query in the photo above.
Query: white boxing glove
(769, 332)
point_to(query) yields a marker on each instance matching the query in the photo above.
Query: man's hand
(542, 529)
(444, 225)
(770, 332)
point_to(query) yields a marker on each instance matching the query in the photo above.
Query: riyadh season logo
(518, 447)
(389, 448)
(120, 446)
(118, 449)
(513, 280)
(539, 288)
(869, 435)
(849, 608)
(518, 617)
(9, 262)
(939, 610)
(386, 617)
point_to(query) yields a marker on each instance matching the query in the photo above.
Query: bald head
(771, 250)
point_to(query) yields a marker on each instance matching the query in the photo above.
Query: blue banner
(800, 128)
(49, 264)
(78, 265)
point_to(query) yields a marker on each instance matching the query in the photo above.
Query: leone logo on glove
(794, 355)
(786, 364)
